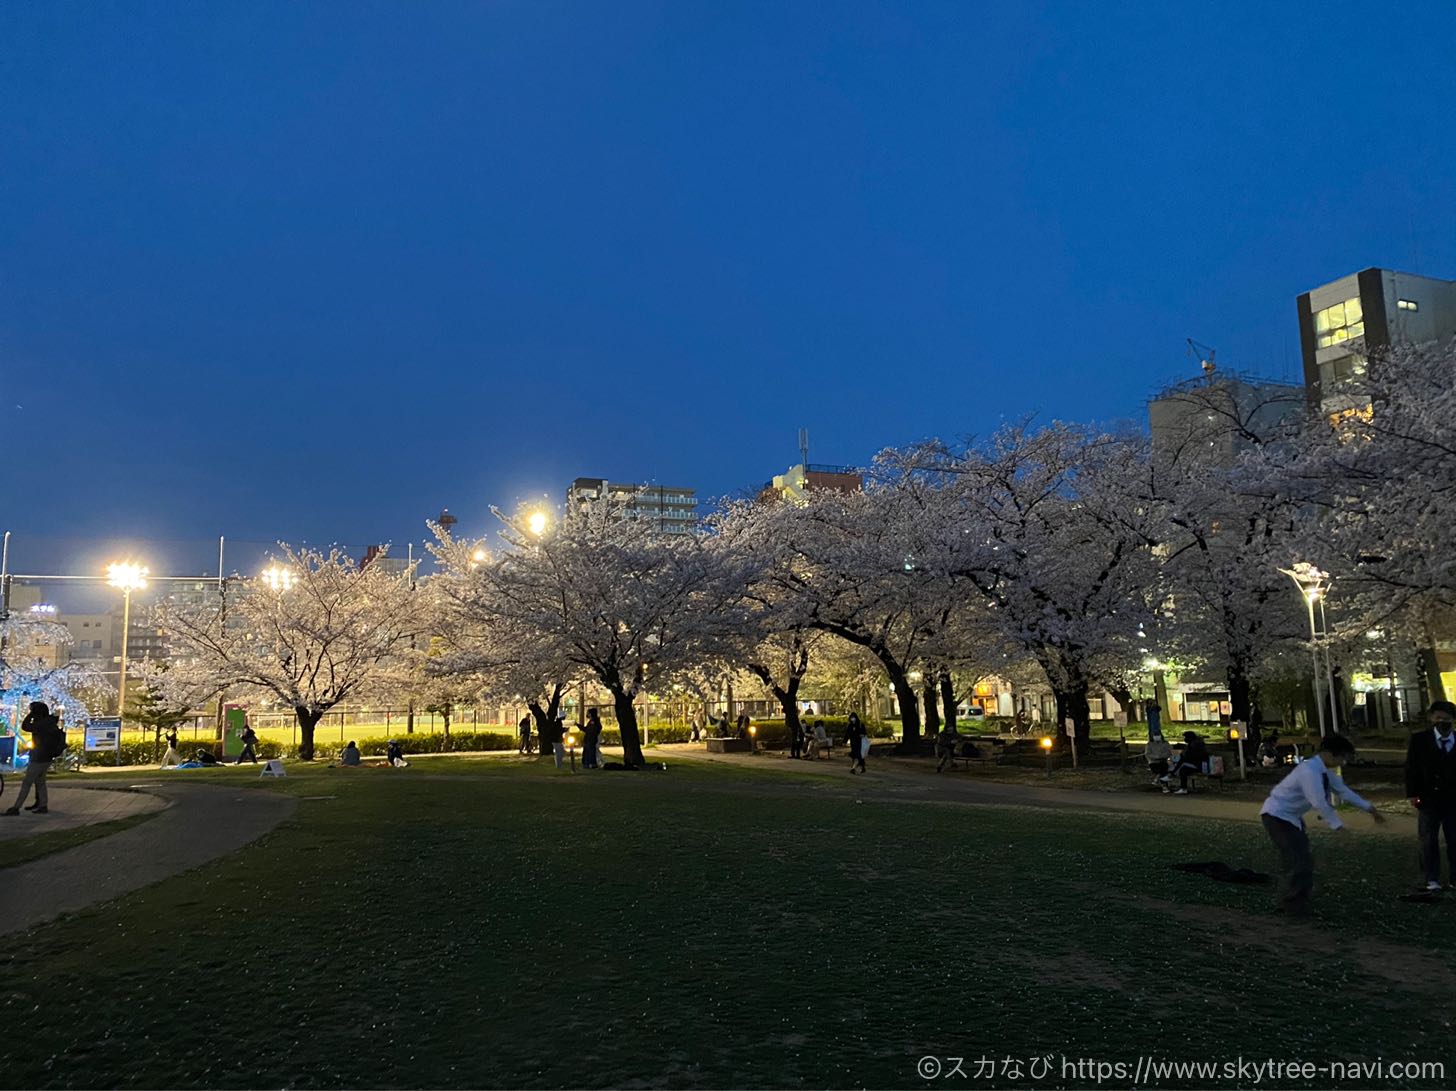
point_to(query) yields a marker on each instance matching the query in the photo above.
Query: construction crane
(1204, 355)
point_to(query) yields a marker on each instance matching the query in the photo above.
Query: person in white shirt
(1308, 785)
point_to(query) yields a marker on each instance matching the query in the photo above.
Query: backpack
(61, 743)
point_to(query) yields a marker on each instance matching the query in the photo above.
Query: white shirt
(1305, 787)
(1446, 743)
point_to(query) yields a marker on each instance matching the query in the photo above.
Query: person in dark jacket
(1190, 762)
(47, 743)
(591, 734)
(524, 730)
(854, 734)
(1430, 785)
(249, 739)
(796, 739)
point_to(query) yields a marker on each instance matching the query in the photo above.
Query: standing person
(591, 734)
(524, 730)
(796, 739)
(1157, 754)
(1307, 785)
(249, 739)
(558, 741)
(856, 737)
(47, 743)
(1430, 784)
(171, 757)
(697, 728)
(743, 725)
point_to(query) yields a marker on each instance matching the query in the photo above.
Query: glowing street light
(126, 578)
(279, 578)
(1313, 584)
(1046, 745)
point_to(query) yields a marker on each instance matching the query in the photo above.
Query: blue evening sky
(316, 270)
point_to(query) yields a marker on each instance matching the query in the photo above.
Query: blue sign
(103, 735)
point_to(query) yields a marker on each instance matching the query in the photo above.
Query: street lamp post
(126, 578)
(1311, 583)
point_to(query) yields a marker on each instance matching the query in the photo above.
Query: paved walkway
(72, 807)
(199, 824)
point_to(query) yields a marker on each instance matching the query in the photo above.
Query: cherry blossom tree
(1372, 478)
(320, 632)
(602, 596)
(26, 675)
(1045, 527)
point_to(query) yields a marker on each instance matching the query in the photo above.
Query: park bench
(1214, 771)
(986, 751)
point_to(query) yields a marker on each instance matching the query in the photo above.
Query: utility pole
(410, 573)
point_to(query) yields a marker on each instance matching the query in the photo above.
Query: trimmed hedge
(139, 753)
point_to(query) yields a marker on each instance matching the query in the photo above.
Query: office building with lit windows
(1342, 322)
(670, 509)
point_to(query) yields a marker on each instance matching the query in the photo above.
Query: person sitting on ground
(207, 757)
(1190, 763)
(350, 754)
(1157, 755)
(394, 754)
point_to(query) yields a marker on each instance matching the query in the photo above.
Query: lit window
(1337, 324)
(1407, 304)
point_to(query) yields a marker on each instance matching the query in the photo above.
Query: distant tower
(446, 520)
(804, 446)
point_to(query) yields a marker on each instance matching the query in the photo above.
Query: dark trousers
(1433, 822)
(1295, 861)
(1185, 771)
(248, 754)
(796, 745)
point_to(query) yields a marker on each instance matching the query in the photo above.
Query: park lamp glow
(753, 729)
(1234, 734)
(570, 741)
(277, 578)
(1309, 579)
(1046, 743)
(127, 577)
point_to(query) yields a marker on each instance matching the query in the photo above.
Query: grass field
(491, 922)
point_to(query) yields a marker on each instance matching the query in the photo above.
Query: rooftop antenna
(1204, 354)
(804, 446)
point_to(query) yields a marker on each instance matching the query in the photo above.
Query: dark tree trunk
(787, 696)
(1123, 696)
(948, 700)
(445, 719)
(1241, 692)
(1072, 704)
(932, 708)
(909, 705)
(627, 728)
(307, 720)
(545, 718)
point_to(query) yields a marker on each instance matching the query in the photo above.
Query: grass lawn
(489, 922)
